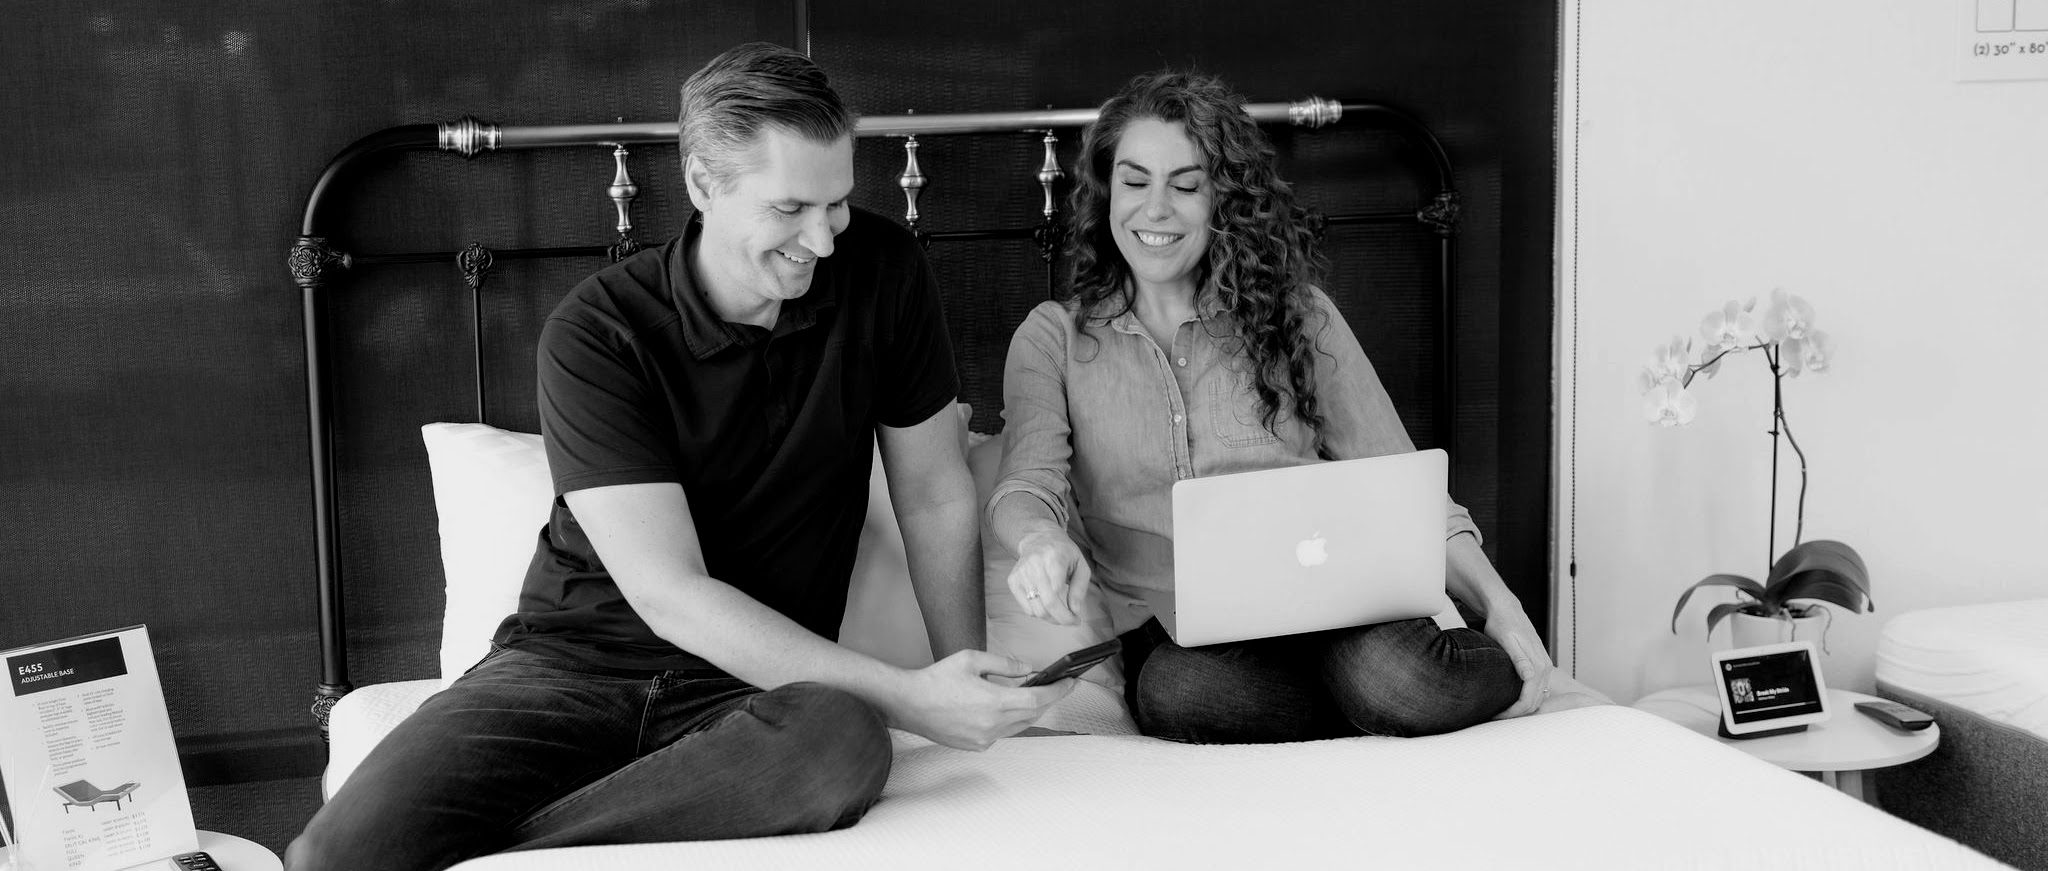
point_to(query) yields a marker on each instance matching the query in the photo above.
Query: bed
(1605, 787)
(1982, 671)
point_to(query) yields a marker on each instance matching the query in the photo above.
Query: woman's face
(1160, 201)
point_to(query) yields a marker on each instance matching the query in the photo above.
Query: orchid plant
(1784, 336)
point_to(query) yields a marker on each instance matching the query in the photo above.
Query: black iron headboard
(318, 261)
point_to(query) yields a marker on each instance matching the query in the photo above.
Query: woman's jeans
(529, 751)
(1405, 678)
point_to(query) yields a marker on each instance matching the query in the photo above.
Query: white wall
(1711, 151)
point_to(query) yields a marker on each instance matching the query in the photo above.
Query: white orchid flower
(1789, 317)
(1669, 363)
(1668, 404)
(1732, 328)
(1811, 354)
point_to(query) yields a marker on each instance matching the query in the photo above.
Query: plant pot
(1749, 630)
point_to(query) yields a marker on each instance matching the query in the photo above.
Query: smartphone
(1073, 664)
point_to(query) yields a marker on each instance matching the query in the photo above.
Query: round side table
(1839, 750)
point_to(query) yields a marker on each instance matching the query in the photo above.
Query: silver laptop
(1306, 548)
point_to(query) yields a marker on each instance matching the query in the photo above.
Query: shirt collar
(705, 332)
(1209, 306)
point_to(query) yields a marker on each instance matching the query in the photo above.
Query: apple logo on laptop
(1312, 552)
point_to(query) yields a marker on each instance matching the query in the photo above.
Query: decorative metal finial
(622, 191)
(475, 262)
(1314, 112)
(1049, 235)
(324, 698)
(911, 181)
(1441, 213)
(1314, 221)
(310, 259)
(1049, 173)
(469, 137)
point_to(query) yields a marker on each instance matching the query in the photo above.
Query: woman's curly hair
(1261, 260)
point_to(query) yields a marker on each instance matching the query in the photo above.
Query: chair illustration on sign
(81, 793)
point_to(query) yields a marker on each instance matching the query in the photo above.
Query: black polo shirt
(770, 432)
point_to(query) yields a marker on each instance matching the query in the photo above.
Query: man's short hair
(726, 104)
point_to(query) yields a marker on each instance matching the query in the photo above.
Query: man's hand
(1051, 578)
(954, 702)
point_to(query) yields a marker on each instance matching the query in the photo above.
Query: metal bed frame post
(315, 261)
(311, 259)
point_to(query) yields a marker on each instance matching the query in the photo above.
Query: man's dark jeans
(1404, 678)
(529, 751)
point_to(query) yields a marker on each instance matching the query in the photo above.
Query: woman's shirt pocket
(1234, 411)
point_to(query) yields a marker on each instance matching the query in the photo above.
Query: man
(709, 408)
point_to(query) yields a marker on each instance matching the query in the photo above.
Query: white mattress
(1606, 787)
(1989, 659)
(361, 719)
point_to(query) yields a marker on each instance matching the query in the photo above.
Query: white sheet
(1990, 659)
(1606, 787)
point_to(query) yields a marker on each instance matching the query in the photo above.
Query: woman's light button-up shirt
(1100, 421)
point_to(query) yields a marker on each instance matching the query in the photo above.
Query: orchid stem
(1690, 371)
(1777, 415)
(1704, 364)
(1799, 524)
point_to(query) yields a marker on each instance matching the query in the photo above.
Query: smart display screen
(1770, 686)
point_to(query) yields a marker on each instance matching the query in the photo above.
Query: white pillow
(492, 493)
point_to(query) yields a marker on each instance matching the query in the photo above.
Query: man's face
(766, 227)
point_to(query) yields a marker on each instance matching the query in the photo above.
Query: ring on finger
(1031, 594)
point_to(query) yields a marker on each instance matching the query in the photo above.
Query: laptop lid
(1307, 548)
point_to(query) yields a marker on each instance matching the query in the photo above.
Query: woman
(1193, 341)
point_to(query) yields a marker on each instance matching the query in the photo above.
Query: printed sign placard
(88, 757)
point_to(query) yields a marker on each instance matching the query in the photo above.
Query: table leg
(1851, 782)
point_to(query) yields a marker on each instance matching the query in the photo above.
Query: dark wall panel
(156, 158)
(153, 164)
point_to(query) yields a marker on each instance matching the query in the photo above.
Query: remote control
(1896, 715)
(195, 861)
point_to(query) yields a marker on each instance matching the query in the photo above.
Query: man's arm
(933, 494)
(648, 541)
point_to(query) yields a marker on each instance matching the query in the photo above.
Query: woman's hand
(1051, 578)
(1471, 577)
(1511, 627)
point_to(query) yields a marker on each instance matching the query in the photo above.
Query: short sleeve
(595, 411)
(917, 374)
